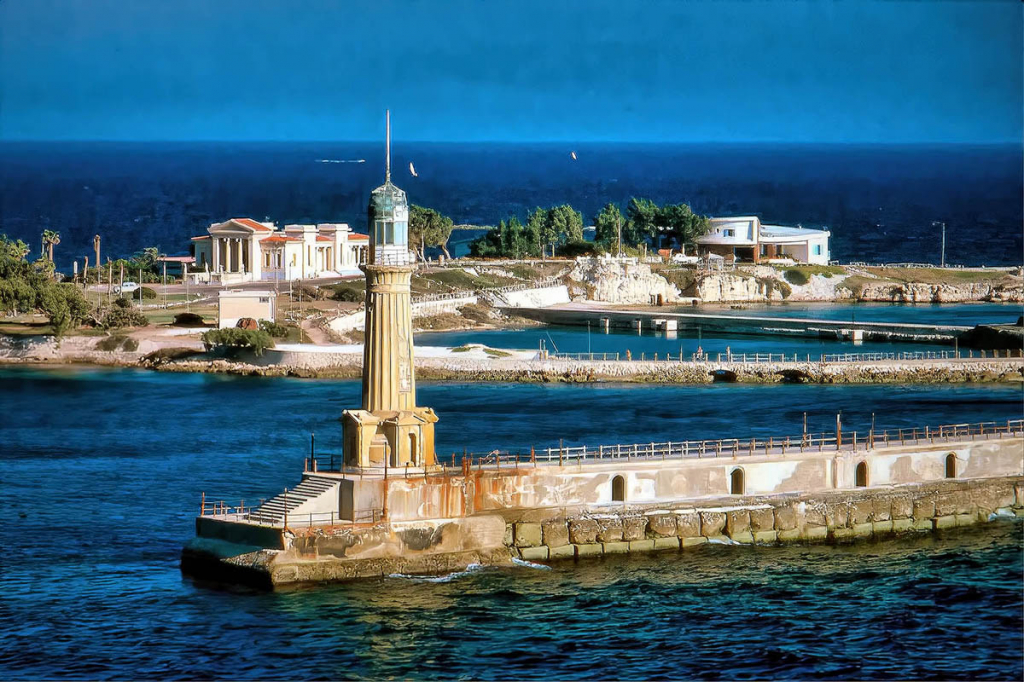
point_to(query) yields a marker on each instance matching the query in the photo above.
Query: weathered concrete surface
(454, 494)
(345, 552)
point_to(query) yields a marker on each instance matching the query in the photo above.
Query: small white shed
(235, 304)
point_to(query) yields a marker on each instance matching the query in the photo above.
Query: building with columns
(390, 430)
(245, 250)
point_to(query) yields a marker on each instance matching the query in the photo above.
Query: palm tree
(50, 239)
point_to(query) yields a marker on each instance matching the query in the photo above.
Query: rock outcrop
(611, 281)
(913, 292)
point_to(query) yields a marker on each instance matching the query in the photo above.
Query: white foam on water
(472, 568)
(529, 564)
(722, 541)
(1001, 514)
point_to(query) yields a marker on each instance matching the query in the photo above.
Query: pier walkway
(604, 318)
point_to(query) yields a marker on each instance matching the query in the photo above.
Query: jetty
(381, 500)
(606, 318)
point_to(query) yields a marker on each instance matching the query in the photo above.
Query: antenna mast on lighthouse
(387, 145)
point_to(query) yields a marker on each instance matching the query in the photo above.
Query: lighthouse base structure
(400, 438)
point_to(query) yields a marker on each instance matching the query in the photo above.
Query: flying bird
(412, 169)
(573, 155)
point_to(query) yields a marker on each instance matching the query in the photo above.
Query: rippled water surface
(102, 470)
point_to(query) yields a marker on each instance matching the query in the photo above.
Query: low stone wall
(840, 516)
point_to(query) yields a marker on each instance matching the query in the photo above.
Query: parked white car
(126, 288)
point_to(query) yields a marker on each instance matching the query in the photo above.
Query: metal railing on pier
(582, 455)
(764, 358)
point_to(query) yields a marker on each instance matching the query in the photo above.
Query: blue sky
(512, 70)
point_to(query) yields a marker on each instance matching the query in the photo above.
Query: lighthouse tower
(389, 430)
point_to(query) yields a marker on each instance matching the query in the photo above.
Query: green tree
(12, 249)
(514, 239)
(64, 305)
(427, 227)
(567, 224)
(642, 221)
(50, 239)
(606, 225)
(535, 232)
(682, 223)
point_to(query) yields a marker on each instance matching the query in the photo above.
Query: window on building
(951, 465)
(817, 249)
(266, 259)
(729, 233)
(736, 482)
(861, 475)
(264, 299)
(618, 489)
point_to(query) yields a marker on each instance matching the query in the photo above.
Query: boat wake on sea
(341, 160)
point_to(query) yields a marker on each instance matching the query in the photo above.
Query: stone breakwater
(346, 552)
(584, 371)
(326, 365)
(329, 365)
(840, 516)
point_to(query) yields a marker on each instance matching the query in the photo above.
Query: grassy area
(801, 274)
(462, 349)
(494, 353)
(445, 281)
(938, 275)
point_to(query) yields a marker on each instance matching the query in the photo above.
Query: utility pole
(618, 231)
(96, 246)
(942, 261)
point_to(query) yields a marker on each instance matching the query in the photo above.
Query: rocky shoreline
(337, 366)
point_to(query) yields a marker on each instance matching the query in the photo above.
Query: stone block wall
(839, 516)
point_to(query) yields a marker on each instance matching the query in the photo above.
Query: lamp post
(942, 262)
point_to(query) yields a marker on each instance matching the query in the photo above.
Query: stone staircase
(315, 494)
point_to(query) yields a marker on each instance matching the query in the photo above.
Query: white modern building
(245, 250)
(747, 238)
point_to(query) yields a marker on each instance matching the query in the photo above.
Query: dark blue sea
(879, 201)
(101, 473)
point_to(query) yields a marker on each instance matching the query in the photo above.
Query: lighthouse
(389, 430)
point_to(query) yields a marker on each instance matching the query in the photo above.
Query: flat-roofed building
(747, 238)
(234, 305)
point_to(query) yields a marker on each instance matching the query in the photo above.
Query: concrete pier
(581, 502)
(576, 314)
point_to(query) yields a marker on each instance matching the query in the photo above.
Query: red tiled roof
(322, 238)
(277, 238)
(205, 236)
(176, 259)
(356, 236)
(249, 222)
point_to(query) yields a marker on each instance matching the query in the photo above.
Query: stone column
(388, 381)
(215, 253)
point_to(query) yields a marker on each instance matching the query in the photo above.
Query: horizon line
(863, 143)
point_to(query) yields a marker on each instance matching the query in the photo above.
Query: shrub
(120, 314)
(350, 292)
(148, 293)
(798, 277)
(574, 249)
(118, 342)
(278, 331)
(235, 339)
(111, 343)
(188, 320)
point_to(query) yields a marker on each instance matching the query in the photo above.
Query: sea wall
(345, 552)
(836, 516)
